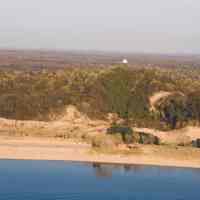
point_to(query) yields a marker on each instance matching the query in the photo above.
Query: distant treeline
(44, 94)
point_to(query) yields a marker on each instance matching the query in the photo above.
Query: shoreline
(103, 162)
(145, 164)
(60, 150)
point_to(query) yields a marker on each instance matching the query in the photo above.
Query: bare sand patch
(58, 149)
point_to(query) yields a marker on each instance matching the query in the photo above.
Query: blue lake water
(59, 180)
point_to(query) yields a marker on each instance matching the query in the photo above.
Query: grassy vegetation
(42, 95)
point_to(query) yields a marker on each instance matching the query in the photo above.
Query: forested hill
(27, 95)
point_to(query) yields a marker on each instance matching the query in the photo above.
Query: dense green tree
(193, 104)
(173, 110)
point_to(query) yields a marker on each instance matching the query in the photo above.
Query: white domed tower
(125, 61)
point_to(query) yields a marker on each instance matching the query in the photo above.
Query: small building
(125, 61)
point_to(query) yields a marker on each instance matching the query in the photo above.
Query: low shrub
(196, 143)
(105, 141)
(125, 132)
(146, 138)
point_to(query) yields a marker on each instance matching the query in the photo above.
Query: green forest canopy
(27, 95)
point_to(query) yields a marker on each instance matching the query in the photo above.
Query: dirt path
(156, 97)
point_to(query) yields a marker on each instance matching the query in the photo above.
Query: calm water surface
(56, 180)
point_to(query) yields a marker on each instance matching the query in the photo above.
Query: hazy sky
(166, 26)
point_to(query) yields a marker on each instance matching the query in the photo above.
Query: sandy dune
(72, 121)
(175, 136)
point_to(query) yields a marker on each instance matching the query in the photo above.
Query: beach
(33, 148)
